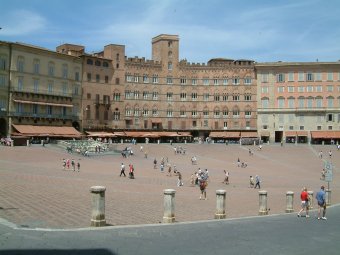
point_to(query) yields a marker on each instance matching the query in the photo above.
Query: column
(263, 202)
(169, 206)
(220, 204)
(98, 206)
(328, 197)
(289, 201)
(311, 201)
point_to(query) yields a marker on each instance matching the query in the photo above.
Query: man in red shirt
(304, 202)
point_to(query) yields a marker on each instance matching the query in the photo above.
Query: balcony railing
(43, 115)
(42, 92)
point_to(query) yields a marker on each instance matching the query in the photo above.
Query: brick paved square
(37, 192)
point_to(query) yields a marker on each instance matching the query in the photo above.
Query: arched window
(89, 61)
(225, 112)
(97, 63)
(236, 112)
(265, 102)
(105, 64)
(291, 102)
(330, 101)
(319, 101)
(247, 111)
(281, 102)
(301, 102)
(216, 112)
(169, 65)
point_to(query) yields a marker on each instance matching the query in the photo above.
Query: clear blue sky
(262, 30)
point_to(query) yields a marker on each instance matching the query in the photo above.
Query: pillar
(98, 206)
(220, 204)
(289, 202)
(169, 206)
(311, 201)
(328, 197)
(263, 202)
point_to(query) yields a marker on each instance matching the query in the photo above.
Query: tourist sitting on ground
(244, 164)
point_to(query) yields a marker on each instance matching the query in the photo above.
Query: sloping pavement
(274, 234)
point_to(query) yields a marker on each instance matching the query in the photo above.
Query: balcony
(41, 92)
(43, 115)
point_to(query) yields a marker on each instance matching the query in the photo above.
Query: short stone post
(98, 206)
(169, 206)
(289, 201)
(263, 202)
(328, 197)
(220, 204)
(27, 143)
(310, 198)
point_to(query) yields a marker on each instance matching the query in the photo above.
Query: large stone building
(165, 93)
(221, 99)
(40, 88)
(298, 102)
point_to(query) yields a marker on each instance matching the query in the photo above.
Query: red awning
(31, 130)
(325, 134)
(100, 134)
(249, 134)
(222, 134)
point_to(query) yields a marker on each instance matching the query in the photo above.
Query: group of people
(305, 203)
(131, 171)
(67, 163)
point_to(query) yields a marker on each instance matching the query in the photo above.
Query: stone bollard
(328, 197)
(98, 206)
(289, 202)
(263, 202)
(169, 206)
(310, 197)
(220, 204)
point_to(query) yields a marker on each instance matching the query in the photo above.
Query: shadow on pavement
(59, 252)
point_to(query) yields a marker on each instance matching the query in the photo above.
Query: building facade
(38, 87)
(223, 98)
(165, 93)
(298, 102)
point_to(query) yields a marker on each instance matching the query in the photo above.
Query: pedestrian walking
(122, 170)
(73, 165)
(155, 163)
(238, 162)
(226, 177)
(251, 182)
(304, 202)
(64, 163)
(68, 163)
(131, 172)
(257, 182)
(78, 166)
(179, 181)
(321, 199)
(203, 185)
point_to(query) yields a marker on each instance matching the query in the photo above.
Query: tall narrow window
(36, 66)
(20, 64)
